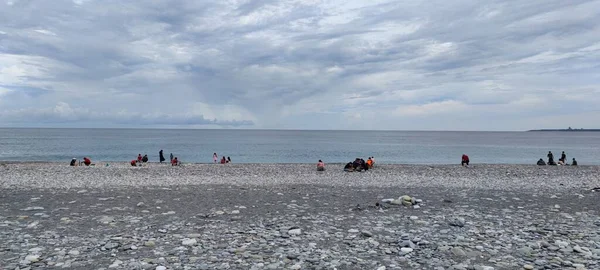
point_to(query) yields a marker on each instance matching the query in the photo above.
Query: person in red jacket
(465, 160)
(139, 158)
(87, 161)
(175, 162)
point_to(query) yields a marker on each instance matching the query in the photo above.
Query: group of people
(360, 165)
(561, 161)
(86, 161)
(223, 159)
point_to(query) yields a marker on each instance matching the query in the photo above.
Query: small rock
(189, 242)
(149, 244)
(458, 252)
(160, 267)
(406, 250)
(367, 234)
(32, 258)
(111, 245)
(235, 212)
(74, 252)
(294, 231)
(528, 267)
(457, 222)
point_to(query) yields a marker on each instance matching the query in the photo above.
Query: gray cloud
(498, 65)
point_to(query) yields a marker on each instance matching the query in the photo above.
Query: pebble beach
(289, 216)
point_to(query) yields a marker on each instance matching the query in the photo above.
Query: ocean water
(278, 146)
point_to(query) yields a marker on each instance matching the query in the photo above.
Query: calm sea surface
(275, 146)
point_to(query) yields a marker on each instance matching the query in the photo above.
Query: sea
(296, 146)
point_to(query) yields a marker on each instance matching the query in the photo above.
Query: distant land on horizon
(569, 129)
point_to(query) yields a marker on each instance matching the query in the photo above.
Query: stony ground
(258, 217)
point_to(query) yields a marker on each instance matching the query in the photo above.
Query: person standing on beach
(139, 159)
(563, 157)
(171, 157)
(550, 158)
(228, 160)
(215, 158)
(160, 156)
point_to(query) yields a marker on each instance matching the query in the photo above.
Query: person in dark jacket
(161, 157)
(574, 163)
(228, 160)
(563, 157)
(73, 162)
(349, 167)
(145, 158)
(541, 162)
(551, 158)
(171, 157)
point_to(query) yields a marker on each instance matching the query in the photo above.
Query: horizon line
(267, 129)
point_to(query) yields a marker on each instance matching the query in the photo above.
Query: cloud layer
(307, 64)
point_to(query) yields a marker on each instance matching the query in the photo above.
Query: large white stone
(189, 242)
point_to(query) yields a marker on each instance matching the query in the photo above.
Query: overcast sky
(301, 64)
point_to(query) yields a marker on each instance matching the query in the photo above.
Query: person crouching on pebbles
(465, 160)
(320, 166)
(175, 162)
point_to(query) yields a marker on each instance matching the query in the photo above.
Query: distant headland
(568, 129)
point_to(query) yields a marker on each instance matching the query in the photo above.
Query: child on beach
(370, 163)
(175, 162)
(215, 158)
(320, 166)
(228, 160)
(223, 160)
(139, 159)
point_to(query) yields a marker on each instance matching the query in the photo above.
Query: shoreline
(478, 176)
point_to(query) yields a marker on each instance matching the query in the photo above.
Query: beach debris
(403, 200)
